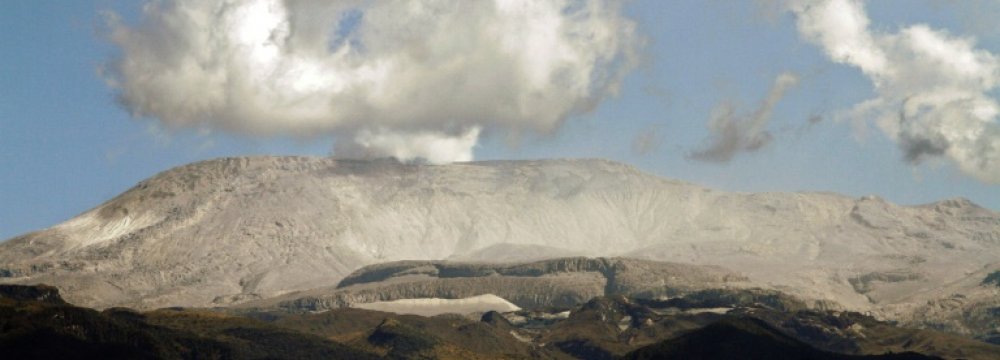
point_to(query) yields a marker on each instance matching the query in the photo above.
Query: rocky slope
(46, 327)
(232, 230)
(560, 283)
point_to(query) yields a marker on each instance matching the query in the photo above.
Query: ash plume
(933, 89)
(408, 79)
(648, 140)
(733, 133)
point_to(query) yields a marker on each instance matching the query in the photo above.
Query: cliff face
(37, 293)
(233, 230)
(560, 283)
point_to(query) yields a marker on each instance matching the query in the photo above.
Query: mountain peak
(233, 230)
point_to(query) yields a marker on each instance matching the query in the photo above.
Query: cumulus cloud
(404, 78)
(732, 133)
(933, 88)
(427, 146)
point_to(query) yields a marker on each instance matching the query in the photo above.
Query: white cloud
(933, 88)
(373, 73)
(432, 147)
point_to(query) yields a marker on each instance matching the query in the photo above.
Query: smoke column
(731, 134)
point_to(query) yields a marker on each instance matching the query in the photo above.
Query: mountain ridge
(233, 230)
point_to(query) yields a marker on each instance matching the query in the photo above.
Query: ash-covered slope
(231, 230)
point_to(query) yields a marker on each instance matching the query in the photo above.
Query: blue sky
(67, 144)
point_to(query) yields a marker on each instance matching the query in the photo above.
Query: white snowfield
(435, 306)
(232, 230)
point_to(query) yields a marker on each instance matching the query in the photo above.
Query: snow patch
(718, 310)
(438, 306)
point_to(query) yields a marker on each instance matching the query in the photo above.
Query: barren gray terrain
(233, 230)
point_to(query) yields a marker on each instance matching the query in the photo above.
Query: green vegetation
(35, 323)
(992, 279)
(745, 338)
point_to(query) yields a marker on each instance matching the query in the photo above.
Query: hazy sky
(892, 98)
